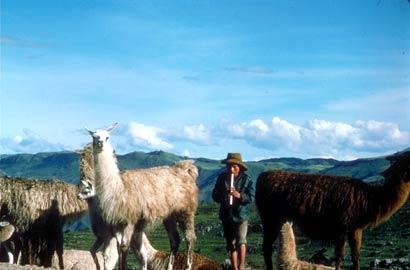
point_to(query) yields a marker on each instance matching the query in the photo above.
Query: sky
(268, 79)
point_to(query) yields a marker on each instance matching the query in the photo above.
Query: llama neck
(287, 245)
(107, 174)
(390, 198)
(109, 187)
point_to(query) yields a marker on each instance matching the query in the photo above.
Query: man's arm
(218, 192)
(248, 193)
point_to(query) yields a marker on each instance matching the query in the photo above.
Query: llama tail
(189, 166)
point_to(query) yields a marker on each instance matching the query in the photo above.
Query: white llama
(135, 198)
(287, 257)
(156, 260)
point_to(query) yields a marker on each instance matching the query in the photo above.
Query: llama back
(160, 261)
(305, 198)
(189, 166)
(152, 193)
(45, 197)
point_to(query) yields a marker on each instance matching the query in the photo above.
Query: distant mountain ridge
(64, 166)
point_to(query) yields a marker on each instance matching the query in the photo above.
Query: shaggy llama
(135, 198)
(156, 260)
(287, 256)
(39, 210)
(102, 230)
(330, 207)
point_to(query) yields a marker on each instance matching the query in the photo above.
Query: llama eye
(106, 139)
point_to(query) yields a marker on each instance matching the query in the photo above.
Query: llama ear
(112, 127)
(4, 224)
(84, 182)
(89, 183)
(90, 131)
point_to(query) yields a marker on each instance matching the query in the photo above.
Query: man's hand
(235, 193)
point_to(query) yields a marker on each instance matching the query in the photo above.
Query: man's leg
(242, 255)
(233, 255)
(242, 231)
(229, 233)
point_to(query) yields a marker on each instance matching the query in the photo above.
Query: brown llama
(39, 209)
(133, 199)
(330, 207)
(287, 256)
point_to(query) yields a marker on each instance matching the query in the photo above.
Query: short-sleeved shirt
(240, 209)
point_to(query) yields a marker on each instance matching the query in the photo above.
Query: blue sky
(202, 78)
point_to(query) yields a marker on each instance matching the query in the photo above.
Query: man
(235, 206)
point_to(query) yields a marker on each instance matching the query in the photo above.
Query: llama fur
(78, 260)
(287, 256)
(158, 260)
(136, 198)
(330, 207)
(39, 209)
(102, 230)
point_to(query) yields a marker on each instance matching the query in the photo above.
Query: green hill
(64, 166)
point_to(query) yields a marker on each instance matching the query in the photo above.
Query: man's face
(234, 169)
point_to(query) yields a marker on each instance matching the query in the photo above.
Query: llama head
(86, 190)
(287, 232)
(6, 231)
(400, 167)
(86, 162)
(100, 138)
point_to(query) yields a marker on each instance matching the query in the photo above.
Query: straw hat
(234, 158)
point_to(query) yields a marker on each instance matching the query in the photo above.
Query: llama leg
(270, 233)
(110, 254)
(124, 244)
(9, 252)
(98, 242)
(188, 227)
(171, 228)
(339, 250)
(140, 250)
(59, 248)
(355, 242)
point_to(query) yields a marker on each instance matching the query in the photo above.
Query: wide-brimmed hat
(234, 158)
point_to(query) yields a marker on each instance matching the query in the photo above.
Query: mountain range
(65, 166)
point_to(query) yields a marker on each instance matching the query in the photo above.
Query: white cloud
(319, 137)
(28, 142)
(316, 138)
(147, 136)
(196, 133)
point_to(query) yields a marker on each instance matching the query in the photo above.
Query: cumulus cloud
(315, 138)
(27, 142)
(197, 134)
(147, 136)
(319, 137)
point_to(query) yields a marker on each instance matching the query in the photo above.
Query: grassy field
(389, 240)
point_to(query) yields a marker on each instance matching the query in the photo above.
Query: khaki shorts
(235, 234)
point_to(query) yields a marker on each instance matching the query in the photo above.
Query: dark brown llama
(330, 207)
